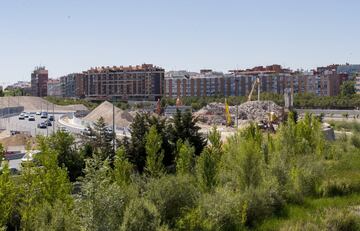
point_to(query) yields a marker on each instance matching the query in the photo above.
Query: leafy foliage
(156, 180)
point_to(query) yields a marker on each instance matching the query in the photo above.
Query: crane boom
(256, 82)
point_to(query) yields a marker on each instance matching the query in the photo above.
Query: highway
(13, 123)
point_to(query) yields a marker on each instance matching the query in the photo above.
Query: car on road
(31, 118)
(42, 125)
(26, 115)
(51, 118)
(21, 116)
(38, 113)
(48, 123)
(44, 115)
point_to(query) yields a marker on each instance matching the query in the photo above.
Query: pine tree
(103, 142)
(184, 127)
(137, 153)
(154, 166)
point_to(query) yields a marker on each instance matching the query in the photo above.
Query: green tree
(172, 195)
(103, 201)
(184, 128)
(154, 166)
(122, 168)
(347, 88)
(141, 215)
(185, 160)
(137, 152)
(103, 142)
(243, 161)
(2, 154)
(45, 183)
(64, 144)
(8, 194)
(208, 162)
(55, 217)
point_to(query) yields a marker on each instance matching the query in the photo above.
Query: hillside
(32, 104)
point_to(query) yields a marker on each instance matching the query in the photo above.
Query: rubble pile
(214, 113)
(258, 110)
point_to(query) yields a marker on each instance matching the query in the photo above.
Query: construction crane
(256, 83)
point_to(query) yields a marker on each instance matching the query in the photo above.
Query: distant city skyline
(72, 36)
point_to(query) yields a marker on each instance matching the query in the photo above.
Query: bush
(335, 187)
(221, 210)
(355, 140)
(172, 195)
(342, 220)
(300, 226)
(139, 215)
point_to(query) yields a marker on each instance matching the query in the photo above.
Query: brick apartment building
(39, 80)
(72, 85)
(274, 79)
(141, 82)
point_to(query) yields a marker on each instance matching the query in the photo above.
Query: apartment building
(54, 88)
(39, 79)
(72, 85)
(272, 79)
(141, 82)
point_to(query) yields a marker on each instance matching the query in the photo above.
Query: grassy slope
(346, 168)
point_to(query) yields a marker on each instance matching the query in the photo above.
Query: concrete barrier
(10, 111)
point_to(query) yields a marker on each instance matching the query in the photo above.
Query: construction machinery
(256, 83)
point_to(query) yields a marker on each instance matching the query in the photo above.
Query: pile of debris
(214, 113)
(258, 110)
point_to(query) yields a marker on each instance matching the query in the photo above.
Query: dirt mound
(16, 140)
(105, 110)
(32, 104)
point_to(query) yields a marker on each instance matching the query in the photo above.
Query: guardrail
(10, 111)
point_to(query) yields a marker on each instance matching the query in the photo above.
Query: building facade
(39, 79)
(54, 88)
(72, 85)
(273, 79)
(141, 82)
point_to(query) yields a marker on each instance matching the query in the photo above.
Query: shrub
(300, 226)
(335, 187)
(221, 210)
(341, 220)
(141, 214)
(262, 202)
(355, 140)
(172, 195)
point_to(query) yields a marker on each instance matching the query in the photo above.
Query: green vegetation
(345, 125)
(306, 101)
(13, 92)
(162, 178)
(67, 101)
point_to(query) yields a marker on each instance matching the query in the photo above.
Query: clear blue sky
(73, 35)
